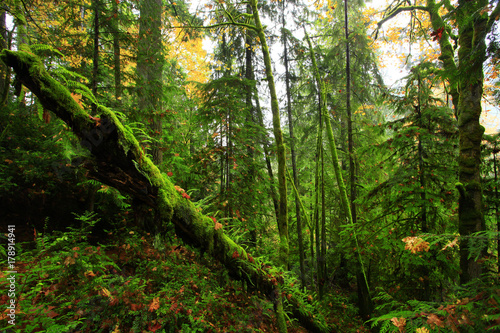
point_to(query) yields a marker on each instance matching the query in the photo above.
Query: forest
(249, 166)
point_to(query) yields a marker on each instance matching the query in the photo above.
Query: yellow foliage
(416, 244)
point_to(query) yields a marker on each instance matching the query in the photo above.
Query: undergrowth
(126, 284)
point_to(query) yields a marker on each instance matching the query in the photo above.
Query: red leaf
(155, 304)
(170, 174)
(236, 254)
(154, 328)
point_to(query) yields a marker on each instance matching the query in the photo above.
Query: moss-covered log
(119, 161)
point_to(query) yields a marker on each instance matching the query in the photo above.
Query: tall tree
(464, 70)
(150, 64)
(292, 145)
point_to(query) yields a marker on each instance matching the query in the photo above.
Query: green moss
(164, 205)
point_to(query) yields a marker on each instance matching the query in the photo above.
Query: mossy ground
(133, 283)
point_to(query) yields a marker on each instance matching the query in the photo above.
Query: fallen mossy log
(119, 161)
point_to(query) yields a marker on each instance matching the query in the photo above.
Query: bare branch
(396, 12)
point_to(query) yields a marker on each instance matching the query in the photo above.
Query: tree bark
(293, 154)
(95, 58)
(116, 53)
(4, 70)
(149, 71)
(118, 160)
(278, 136)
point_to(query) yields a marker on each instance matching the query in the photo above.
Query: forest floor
(133, 282)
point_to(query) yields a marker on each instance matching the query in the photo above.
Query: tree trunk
(471, 55)
(149, 71)
(4, 70)
(278, 136)
(364, 298)
(95, 58)
(117, 53)
(118, 160)
(292, 151)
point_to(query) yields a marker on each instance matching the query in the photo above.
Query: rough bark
(466, 79)
(95, 58)
(365, 303)
(149, 71)
(293, 154)
(278, 136)
(363, 286)
(4, 70)
(118, 160)
(116, 52)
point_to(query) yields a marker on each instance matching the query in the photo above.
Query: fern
(45, 50)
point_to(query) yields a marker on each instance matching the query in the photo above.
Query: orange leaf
(400, 323)
(155, 304)
(434, 320)
(135, 307)
(217, 226)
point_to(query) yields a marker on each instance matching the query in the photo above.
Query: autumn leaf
(422, 330)
(89, 274)
(155, 304)
(434, 320)
(154, 328)
(416, 244)
(135, 307)
(450, 244)
(170, 174)
(217, 226)
(51, 313)
(400, 323)
(106, 292)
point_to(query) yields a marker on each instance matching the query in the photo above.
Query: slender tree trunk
(250, 118)
(4, 70)
(363, 287)
(265, 144)
(318, 186)
(280, 147)
(322, 232)
(364, 298)
(117, 53)
(149, 70)
(496, 205)
(292, 150)
(423, 186)
(95, 57)
(278, 136)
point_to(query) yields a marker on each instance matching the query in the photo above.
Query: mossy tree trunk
(466, 80)
(150, 63)
(278, 136)
(292, 150)
(119, 161)
(363, 286)
(365, 303)
(4, 70)
(115, 25)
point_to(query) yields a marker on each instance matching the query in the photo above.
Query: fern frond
(45, 50)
